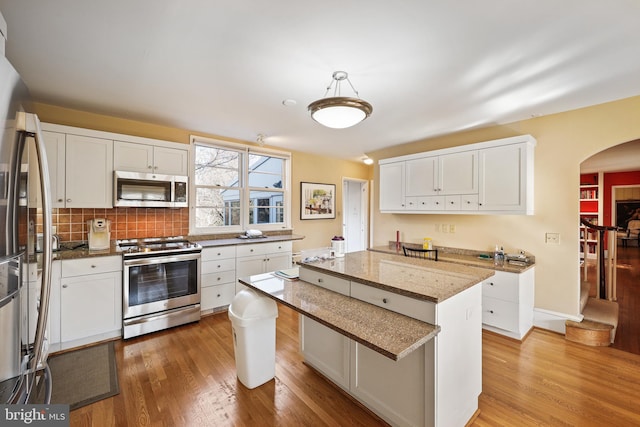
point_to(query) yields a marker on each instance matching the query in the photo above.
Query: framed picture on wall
(626, 211)
(317, 201)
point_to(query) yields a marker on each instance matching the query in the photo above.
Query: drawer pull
(320, 280)
(218, 295)
(219, 265)
(491, 311)
(219, 278)
(93, 266)
(219, 254)
(384, 300)
(490, 283)
(65, 286)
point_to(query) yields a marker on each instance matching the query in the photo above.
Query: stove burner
(161, 245)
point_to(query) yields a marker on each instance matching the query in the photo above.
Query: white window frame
(243, 188)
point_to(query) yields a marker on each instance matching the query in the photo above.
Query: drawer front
(263, 248)
(499, 313)
(217, 296)
(276, 247)
(94, 265)
(218, 265)
(250, 250)
(222, 252)
(469, 202)
(335, 284)
(452, 203)
(213, 279)
(502, 286)
(418, 309)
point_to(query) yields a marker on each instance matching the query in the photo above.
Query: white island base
(376, 354)
(437, 384)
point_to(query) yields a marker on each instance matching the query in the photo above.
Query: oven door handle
(162, 259)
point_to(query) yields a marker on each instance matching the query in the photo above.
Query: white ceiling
(224, 67)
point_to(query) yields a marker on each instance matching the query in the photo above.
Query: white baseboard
(552, 320)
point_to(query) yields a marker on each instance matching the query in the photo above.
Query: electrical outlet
(552, 238)
(452, 228)
(445, 228)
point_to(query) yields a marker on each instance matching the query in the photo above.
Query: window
(237, 187)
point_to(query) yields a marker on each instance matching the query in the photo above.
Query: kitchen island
(434, 377)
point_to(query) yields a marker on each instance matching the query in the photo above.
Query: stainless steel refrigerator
(25, 207)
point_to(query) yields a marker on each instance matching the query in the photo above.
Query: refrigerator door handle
(29, 123)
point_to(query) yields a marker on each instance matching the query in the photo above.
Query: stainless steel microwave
(149, 190)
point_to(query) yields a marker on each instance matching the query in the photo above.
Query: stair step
(588, 332)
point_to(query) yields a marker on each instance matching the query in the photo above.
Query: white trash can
(253, 323)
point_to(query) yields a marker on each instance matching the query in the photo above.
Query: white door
(355, 196)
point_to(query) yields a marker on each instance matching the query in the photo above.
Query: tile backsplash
(126, 223)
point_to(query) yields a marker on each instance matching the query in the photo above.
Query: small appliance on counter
(337, 246)
(99, 233)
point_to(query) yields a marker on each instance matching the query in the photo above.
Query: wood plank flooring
(185, 376)
(628, 283)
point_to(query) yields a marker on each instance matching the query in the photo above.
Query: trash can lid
(249, 305)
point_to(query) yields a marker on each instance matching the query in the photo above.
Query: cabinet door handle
(468, 202)
(219, 266)
(219, 278)
(218, 295)
(490, 283)
(60, 200)
(64, 286)
(491, 311)
(149, 167)
(93, 266)
(451, 202)
(219, 254)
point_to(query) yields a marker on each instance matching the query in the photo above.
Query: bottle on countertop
(498, 256)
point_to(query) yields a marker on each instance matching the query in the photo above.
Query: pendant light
(339, 112)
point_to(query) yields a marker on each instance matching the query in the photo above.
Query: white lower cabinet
(90, 297)
(438, 384)
(396, 389)
(218, 277)
(507, 303)
(258, 258)
(326, 350)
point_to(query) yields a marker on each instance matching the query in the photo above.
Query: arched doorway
(617, 187)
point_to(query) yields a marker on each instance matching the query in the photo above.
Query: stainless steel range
(161, 284)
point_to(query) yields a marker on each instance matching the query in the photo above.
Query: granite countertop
(79, 249)
(428, 280)
(463, 256)
(208, 242)
(390, 334)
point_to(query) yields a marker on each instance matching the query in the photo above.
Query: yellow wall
(564, 140)
(305, 167)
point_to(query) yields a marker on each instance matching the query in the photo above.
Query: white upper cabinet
(80, 170)
(506, 179)
(487, 177)
(422, 177)
(392, 186)
(458, 173)
(134, 157)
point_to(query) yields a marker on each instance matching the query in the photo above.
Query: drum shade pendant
(339, 112)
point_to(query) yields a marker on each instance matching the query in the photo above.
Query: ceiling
(224, 67)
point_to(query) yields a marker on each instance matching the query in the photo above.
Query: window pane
(265, 171)
(265, 207)
(217, 217)
(218, 197)
(217, 167)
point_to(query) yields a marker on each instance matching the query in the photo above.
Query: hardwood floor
(186, 377)
(628, 283)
